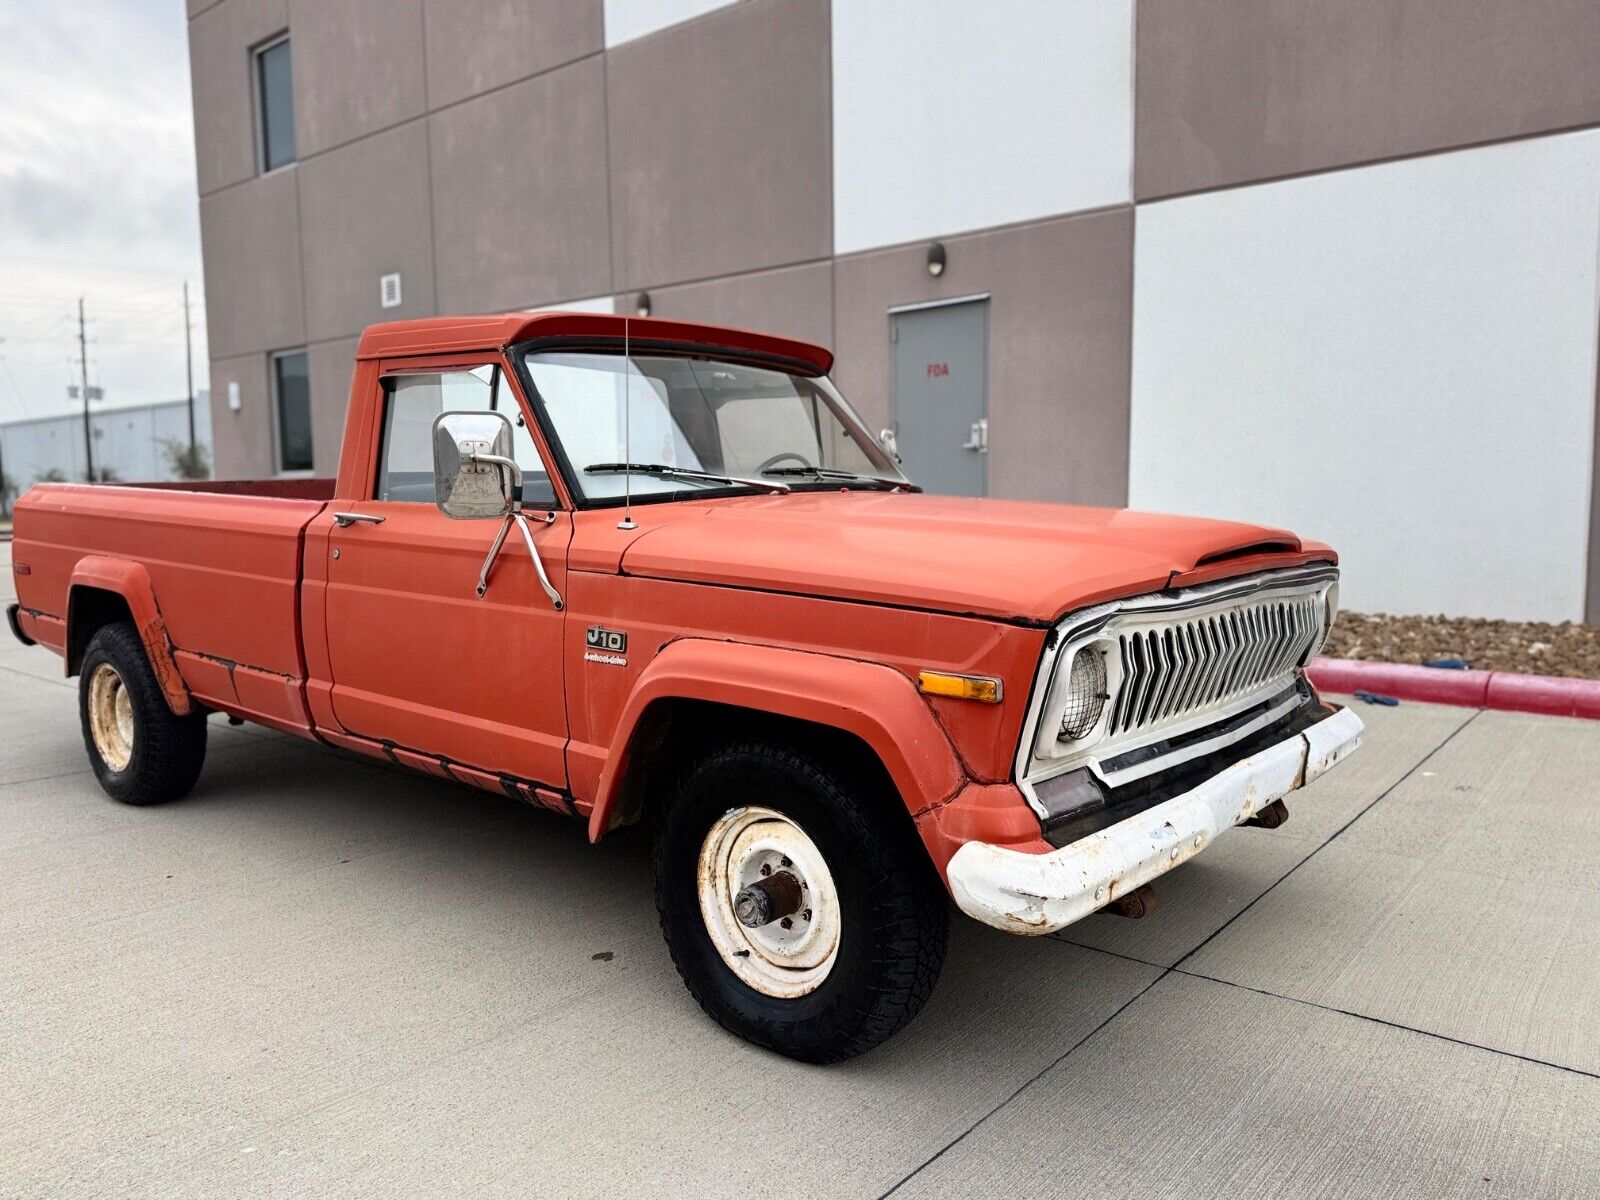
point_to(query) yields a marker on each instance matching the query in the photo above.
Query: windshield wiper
(831, 473)
(662, 471)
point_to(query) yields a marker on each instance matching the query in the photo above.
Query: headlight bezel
(1051, 743)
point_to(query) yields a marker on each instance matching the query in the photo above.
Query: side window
(405, 468)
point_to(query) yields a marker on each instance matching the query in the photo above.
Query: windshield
(664, 424)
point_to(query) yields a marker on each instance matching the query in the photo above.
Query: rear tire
(141, 751)
(864, 946)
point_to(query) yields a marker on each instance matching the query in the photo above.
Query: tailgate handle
(345, 520)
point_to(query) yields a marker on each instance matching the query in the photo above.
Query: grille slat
(1186, 665)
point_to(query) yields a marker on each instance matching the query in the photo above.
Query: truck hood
(995, 558)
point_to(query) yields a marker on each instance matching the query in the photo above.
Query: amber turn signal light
(960, 687)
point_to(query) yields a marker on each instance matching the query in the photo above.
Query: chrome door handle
(979, 439)
(345, 520)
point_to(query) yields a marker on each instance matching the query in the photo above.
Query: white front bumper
(1040, 893)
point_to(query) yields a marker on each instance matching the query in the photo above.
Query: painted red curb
(1548, 695)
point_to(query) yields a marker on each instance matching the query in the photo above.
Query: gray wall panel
(519, 185)
(721, 155)
(793, 301)
(223, 87)
(1060, 328)
(362, 208)
(250, 238)
(1233, 90)
(475, 45)
(358, 68)
(243, 439)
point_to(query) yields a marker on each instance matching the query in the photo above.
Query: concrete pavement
(317, 976)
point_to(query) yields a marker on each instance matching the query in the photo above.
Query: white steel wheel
(111, 717)
(769, 902)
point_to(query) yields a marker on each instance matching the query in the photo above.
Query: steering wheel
(778, 458)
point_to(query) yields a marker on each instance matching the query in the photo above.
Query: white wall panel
(950, 115)
(1399, 360)
(629, 19)
(597, 304)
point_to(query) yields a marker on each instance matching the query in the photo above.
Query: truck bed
(224, 558)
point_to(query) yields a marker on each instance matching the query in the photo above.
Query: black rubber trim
(1072, 791)
(16, 625)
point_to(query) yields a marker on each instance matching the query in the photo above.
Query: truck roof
(495, 331)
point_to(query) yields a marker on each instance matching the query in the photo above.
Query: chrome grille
(1186, 665)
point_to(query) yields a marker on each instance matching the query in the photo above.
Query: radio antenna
(627, 431)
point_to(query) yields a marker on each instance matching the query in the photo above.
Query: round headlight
(1086, 694)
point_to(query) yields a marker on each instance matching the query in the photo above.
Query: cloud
(97, 198)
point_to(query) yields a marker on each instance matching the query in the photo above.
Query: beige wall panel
(223, 87)
(1234, 90)
(358, 68)
(331, 366)
(250, 240)
(720, 144)
(794, 301)
(476, 45)
(519, 185)
(364, 213)
(241, 441)
(1060, 317)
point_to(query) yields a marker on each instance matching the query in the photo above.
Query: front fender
(869, 700)
(131, 581)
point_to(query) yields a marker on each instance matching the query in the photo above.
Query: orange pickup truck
(644, 571)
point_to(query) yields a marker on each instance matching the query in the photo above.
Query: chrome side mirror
(474, 475)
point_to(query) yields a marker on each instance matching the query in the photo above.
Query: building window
(291, 403)
(275, 105)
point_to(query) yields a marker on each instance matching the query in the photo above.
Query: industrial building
(133, 442)
(1330, 264)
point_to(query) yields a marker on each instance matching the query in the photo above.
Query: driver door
(417, 659)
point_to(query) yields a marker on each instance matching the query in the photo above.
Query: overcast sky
(97, 198)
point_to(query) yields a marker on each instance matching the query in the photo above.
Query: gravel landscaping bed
(1527, 647)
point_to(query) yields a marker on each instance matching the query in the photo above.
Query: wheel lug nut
(787, 863)
(787, 923)
(765, 869)
(806, 916)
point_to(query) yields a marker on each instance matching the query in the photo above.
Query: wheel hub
(769, 902)
(111, 717)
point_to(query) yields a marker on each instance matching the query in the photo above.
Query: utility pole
(188, 365)
(83, 367)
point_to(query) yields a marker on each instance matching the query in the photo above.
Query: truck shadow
(527, 882)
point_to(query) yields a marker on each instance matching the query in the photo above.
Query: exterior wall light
(641, 304)
(936, 259)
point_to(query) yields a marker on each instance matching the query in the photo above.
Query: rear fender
(130, 581)
(873, 702)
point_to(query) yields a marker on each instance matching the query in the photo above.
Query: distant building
(129, 442)
(1325, 265)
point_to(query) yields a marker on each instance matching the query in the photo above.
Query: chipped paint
(1041, 893)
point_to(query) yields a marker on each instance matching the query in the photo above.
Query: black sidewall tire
(168, 750)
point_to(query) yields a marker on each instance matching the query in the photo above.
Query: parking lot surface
(320, 976)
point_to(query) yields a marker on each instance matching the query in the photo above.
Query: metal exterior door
(941, 395)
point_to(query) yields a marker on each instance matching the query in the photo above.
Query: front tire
(141, 751)
(855, 942)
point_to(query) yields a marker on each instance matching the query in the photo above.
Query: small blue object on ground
(1447, 664)
(1374, 698)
